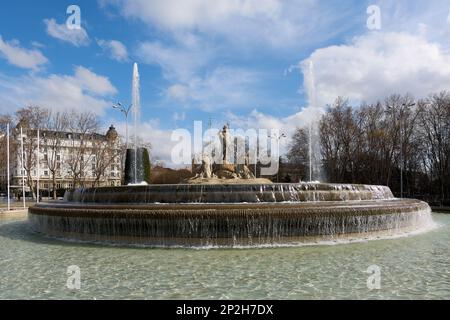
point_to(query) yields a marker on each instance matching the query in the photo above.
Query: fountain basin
(85, 215)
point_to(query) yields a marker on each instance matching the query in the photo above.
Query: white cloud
(116, 49)
(376, 65)
(93, 83)
(273, 23)
(77, 37)
(175, 14)
(84, 91)
(21, 57)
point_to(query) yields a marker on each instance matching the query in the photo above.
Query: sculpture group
(224, 172)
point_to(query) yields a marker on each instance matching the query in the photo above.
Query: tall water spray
(136, 111)
(314, 166)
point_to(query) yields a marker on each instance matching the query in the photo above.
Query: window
(112, 183)
(45, 173)
(58, 157)
(113, 174)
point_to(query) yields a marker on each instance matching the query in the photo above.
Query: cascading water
(230, 226)
(230, 215)
(270, 193)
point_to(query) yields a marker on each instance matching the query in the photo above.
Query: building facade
(61, 160)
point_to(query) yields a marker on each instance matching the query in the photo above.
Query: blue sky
(241, 61)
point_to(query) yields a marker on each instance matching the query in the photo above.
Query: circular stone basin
(229, 215)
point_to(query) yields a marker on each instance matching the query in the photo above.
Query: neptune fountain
(225, 205)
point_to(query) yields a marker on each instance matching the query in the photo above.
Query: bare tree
(298, 153)
(105, 154)
(31, 119)
(435, 120)
(338, 137)
(397, 142)
(82, 128)
(56, 125)
(373, 136)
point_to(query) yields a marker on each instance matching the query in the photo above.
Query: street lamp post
(256, 156)
(278, 138)
(7, 168)
(125, 111)
(310, 153)
(23, 167)
(38, 166)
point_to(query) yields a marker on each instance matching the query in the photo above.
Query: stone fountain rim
(364, 207)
